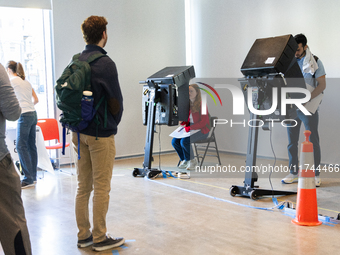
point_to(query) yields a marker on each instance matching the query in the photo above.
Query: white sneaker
(184, 164)
(192, 164)
(183, 175)
(290, 178)
(317, 181)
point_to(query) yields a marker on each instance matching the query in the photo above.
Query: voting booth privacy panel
(171, 95)
(270, 55)
(165, 102)
(270, 63)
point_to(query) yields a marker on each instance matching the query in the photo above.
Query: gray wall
(144, 37)
(223, 33)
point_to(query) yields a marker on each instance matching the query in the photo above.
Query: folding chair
(205, 144)
(50, 131)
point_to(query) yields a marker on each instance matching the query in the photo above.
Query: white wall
(144, 37)
(223, 32)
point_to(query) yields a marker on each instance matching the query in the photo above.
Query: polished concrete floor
(183, 216)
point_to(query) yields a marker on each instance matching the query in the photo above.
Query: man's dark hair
(301, 38)
(93, 28)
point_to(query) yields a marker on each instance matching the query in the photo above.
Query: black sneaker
(109, 243)
(25, 185)
(85, 242)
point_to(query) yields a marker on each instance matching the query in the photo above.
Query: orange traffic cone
(306, 205)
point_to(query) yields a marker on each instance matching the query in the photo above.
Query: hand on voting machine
(181, 133)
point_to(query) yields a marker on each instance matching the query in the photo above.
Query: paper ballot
(313, 105)
(181, 133)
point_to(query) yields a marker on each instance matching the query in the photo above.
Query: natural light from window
(25, 37)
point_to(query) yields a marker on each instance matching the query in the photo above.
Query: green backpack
(75, 79)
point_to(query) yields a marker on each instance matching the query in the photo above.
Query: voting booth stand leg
(147, 170)
(249, 189)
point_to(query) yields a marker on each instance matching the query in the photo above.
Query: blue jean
(183, 145)
(311, 123)
(26, 145)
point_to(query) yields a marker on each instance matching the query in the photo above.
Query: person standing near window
(26, 143)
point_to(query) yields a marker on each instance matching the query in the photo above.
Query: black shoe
(25, 185)
(85, 242)
(109, 243)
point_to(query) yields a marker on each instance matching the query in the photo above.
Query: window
(25, 37)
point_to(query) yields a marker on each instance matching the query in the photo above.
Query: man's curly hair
(93, 28)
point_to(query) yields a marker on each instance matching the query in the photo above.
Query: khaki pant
(94, 172)
(14, 235)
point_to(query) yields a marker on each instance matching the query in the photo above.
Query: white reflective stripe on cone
(307, 160)
(306, 183)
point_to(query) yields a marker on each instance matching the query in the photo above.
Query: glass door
(25, 37)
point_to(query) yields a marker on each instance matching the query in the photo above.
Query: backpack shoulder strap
(75, 57)
(96, 119)
(95, 56)
(91, 58)
(316, 60)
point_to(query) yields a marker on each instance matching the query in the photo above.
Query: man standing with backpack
(96, 141)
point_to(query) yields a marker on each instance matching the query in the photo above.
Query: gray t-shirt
(9, 108)
(309, 79)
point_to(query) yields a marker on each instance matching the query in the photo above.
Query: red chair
(50, 131)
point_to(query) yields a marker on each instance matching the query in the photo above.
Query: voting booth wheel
(232, 191)
(135, 172)
(152, 174)
(253, 195)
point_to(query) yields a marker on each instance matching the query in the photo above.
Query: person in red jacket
(198, 124)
